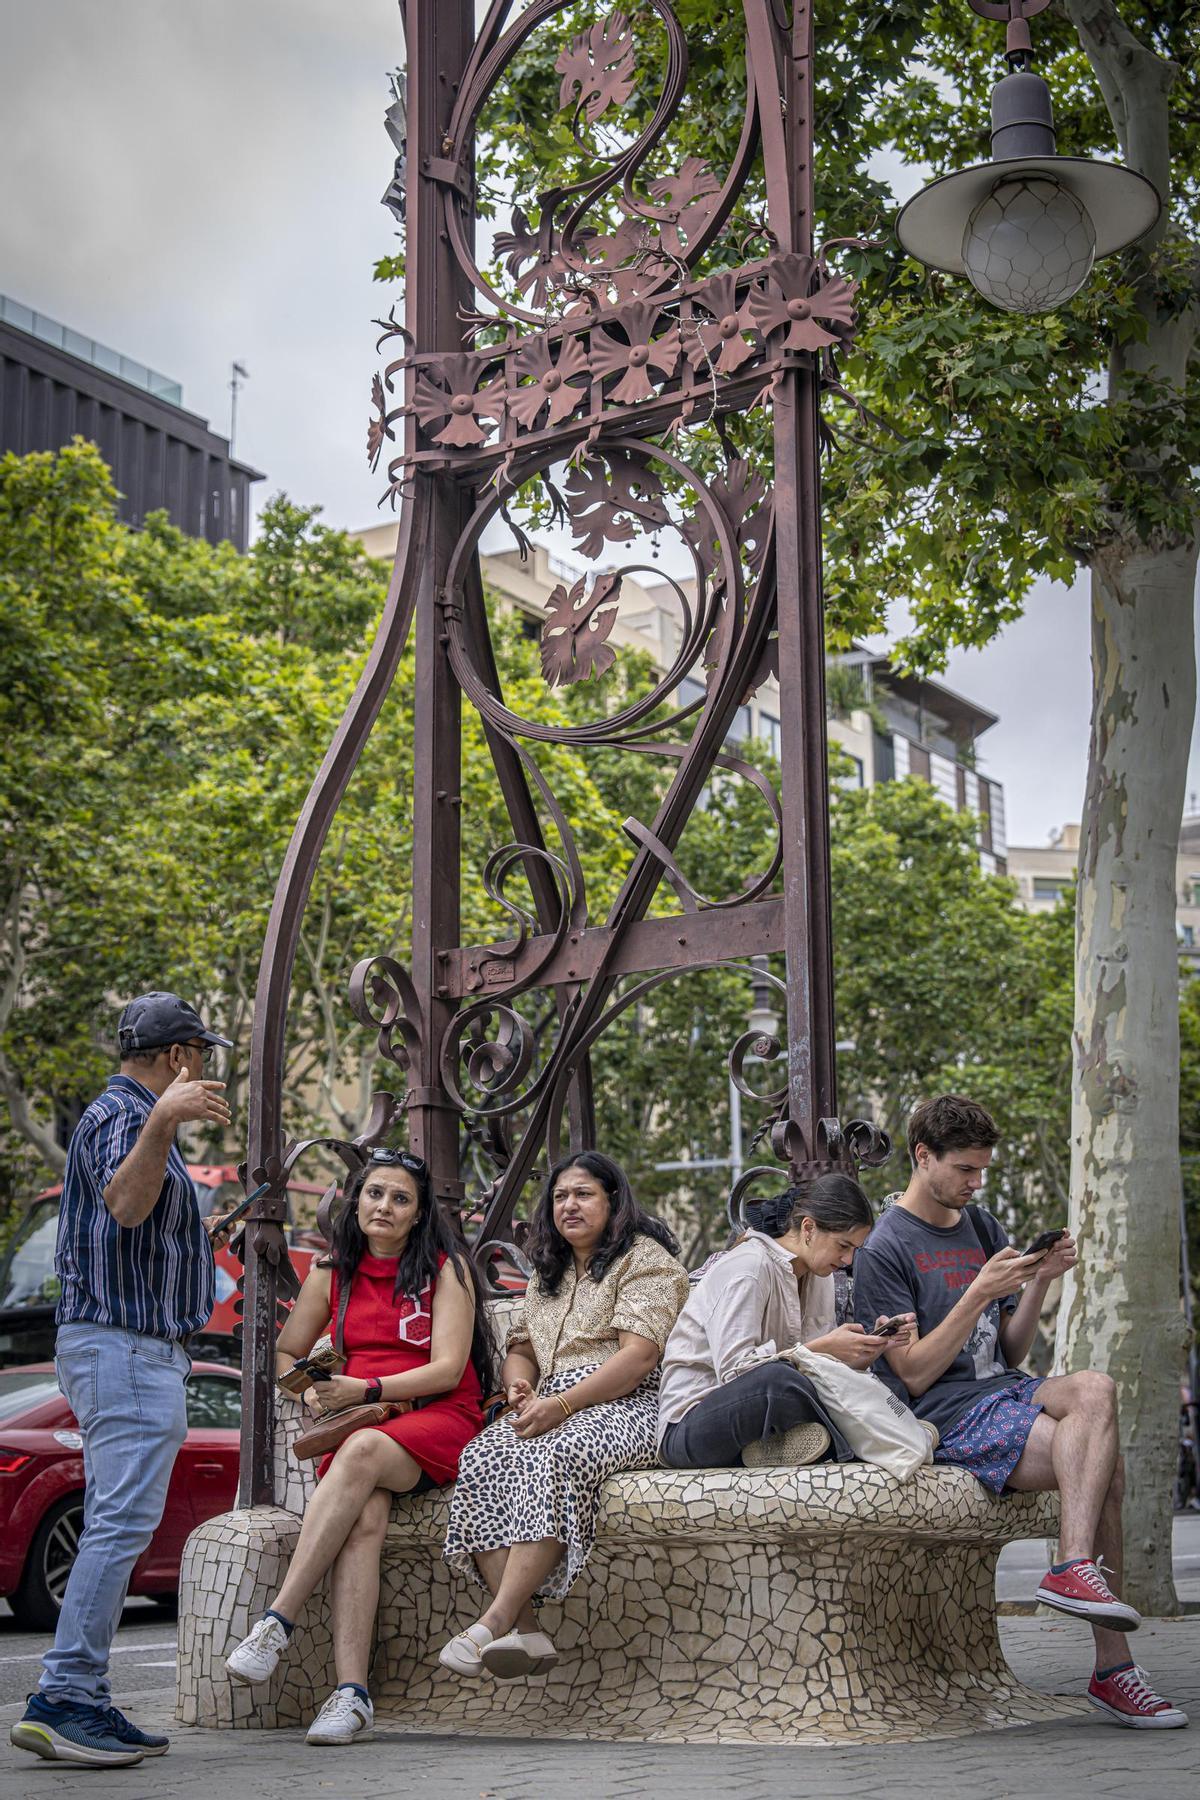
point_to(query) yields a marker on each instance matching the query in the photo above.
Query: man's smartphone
(241, 1208)
(1046, 1240)
(891, 1326)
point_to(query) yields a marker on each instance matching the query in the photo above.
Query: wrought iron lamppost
(1026, 227)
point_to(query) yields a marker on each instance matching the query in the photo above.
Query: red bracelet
(373, 1392)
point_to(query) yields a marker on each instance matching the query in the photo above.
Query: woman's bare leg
(354, 1589)
(526, 1567)
(491, 1565)
(366, 1461)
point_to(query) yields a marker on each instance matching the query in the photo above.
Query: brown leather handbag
(333, 1431)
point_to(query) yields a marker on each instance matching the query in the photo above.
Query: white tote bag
(876, 1425)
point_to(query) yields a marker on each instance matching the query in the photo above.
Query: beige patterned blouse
(642, 1292)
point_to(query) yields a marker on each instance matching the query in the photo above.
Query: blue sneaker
(150, 1743)
(74, 1734)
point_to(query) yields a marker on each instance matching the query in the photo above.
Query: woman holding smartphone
(415, 1328)
(724, 1389)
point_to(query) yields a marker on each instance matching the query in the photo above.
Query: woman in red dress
(415, 1328)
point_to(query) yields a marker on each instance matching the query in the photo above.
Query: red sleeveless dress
(385, 1336)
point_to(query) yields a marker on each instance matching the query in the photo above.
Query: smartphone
(243, 1206)
(890, 1327)
(1045, 1241)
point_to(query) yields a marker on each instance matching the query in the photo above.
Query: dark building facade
(56, 385)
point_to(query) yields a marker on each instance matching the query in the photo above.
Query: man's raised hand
(187, 1100)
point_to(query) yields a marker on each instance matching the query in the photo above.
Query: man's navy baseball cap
(155, 1021)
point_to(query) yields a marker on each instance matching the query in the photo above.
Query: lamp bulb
(1029, 245)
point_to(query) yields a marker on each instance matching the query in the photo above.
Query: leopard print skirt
(513, 1490)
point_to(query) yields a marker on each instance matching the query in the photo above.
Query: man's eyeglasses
(206, 1051)
(404, 1159)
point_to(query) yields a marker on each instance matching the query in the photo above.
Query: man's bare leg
(1085, 1452)
(1073, 1448)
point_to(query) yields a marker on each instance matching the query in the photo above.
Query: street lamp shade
(1120, 204)
(1026, 227)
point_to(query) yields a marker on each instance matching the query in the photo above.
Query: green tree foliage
(943, 983)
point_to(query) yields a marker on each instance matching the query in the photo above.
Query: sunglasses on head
(404, 1159)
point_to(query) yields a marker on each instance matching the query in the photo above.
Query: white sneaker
(345, 1718)
(257, 1656)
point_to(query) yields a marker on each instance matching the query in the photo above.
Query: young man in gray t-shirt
(977, 1302)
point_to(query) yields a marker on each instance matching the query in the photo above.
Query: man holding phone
(977, 1301)
(135, 1266)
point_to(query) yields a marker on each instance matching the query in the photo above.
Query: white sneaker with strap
(257, 1656)
(345, 1718)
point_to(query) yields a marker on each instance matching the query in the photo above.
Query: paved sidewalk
(1080, 1759)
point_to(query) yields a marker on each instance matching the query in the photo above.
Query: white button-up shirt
(748, 1306)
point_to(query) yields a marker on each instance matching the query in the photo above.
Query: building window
(853, 776)
(1188, 934)
(739, 731)
(1048, 887)
(689, 691)
(768, 730)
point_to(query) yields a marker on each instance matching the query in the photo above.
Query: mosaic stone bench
(824, 1605)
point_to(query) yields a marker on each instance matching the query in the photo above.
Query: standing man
(135, 1264)
(977, 1302)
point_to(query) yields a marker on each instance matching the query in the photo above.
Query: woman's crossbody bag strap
(339, 1325)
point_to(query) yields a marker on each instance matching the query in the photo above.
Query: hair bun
(773, 1216)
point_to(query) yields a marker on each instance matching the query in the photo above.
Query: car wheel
(168, 1603)
(38, 1599)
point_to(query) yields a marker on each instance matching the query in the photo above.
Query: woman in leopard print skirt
(581, 1378)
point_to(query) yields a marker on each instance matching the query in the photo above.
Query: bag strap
(339, 1328)
(972, 1212)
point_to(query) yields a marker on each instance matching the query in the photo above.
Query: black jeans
(769, 1399)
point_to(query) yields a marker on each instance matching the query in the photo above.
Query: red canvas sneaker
(1128, 1699)
(1081, 1590)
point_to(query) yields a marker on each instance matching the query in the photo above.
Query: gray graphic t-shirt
(909, 1266)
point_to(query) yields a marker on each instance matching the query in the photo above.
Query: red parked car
(41, 1487)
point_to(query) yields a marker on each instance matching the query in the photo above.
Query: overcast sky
(198, 181)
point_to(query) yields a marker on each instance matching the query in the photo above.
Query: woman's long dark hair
(549, 1251)
(833, 1203)
(429, 1238)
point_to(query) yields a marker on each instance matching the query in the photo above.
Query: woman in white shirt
(722, 1387)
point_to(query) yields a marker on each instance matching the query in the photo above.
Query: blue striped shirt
(157, 1277)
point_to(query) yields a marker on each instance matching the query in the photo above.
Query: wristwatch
(374, 1392)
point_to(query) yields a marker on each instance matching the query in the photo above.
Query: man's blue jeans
(126, 1392)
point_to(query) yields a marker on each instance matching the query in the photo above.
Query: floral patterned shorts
(990, 1437)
